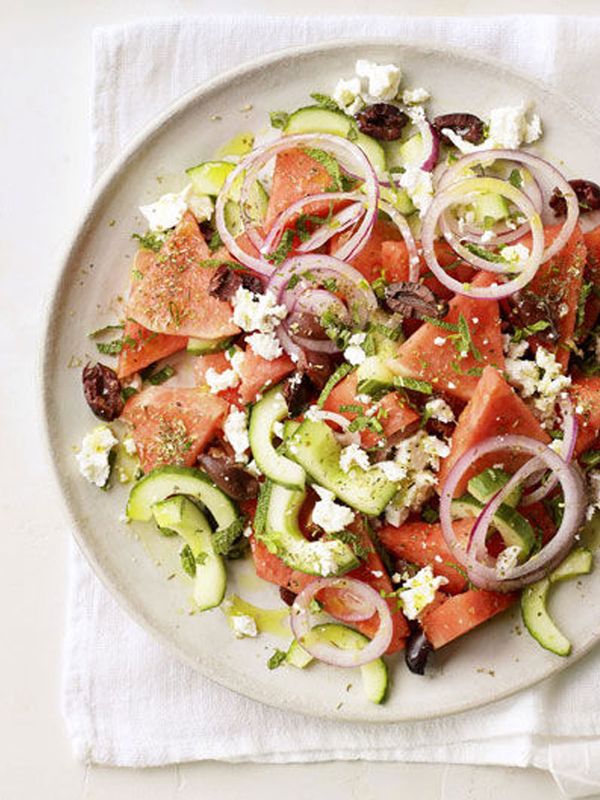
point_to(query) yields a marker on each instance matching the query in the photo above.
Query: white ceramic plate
(133, 561)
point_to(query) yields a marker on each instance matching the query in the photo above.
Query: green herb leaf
(591, 458)
(283, 249)
(529, 330)
(276, 659)
(106, 329)
(430, 514)
(331, 166)
(487, 255)
(440, 323)
(188, 562)
(325, 101)
(224, 539)
(335, 377)
(127, 392)
(279, 119)
(201, 558)
(211, 263)
(353, 541)
(465, 344)
(156, 378)
(150, 240)
(516, 178)
(215, 241)
(110, 348)
(414, 385)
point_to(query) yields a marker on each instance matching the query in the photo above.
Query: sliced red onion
(553, 179)
(347, 153)
(345, 438)
(341, 221)
(462, 191)
(430, 139)
(302, 622)
(315, 302)
(483, 574)
(400, 222)
(351, 607)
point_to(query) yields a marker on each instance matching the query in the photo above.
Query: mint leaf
(279, 119)
(188, 562)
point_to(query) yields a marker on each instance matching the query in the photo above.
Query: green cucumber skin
(538, 621)
(163, 482)
(209, 176)
(202, 347)
(374, 675)
(274, 465)
(579, 562)
(485, 485)
(512, 526)
(181, 515)
(315, 448)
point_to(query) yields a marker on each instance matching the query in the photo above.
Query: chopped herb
(430, 514)
(127, 392)
(414, 385)
(224, 538)
(330, 284)
(515, 178)
(150, 240)
(174, 313)
(188, 562)
(276, 659)
(156, 378)
(260, 516)
(293, 282)
(325, 101)
(210, 263)
(114, 348)
(279, 119)
(379, 285)
(353, 541)
(201, 558)
(215, 241)
(591, 458)
(136, 274)
(353, 132)
(106, 329)
(168, 532)
(329, 163)
(487, 255)
(362, 422)
(394, 334)
(529, 330)
(464, 343)
(351, 408)
(556, 508)
(333, 380)
(586, 290)
(440, 323)
(282, 251)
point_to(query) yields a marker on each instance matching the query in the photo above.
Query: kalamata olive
(467, 126)
(287, 596)
(417, 652)
(301, 323)
(413, 300)
(297, 390)
(587, 193)
(382, 121)
(526, 308)
(318, 367)
(232, 478)
(226, 281)
(102, 391)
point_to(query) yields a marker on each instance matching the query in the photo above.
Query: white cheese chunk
(257, 312)
(243, 625)
(419, 591)
(265, 345)
(235, 429)
(168, 210)
(93, 457)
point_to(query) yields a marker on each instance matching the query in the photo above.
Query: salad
(361, 350)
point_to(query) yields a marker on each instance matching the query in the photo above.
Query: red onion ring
(430, 139)
(249, 167)
(554, 179)
(411, 247)
(302, 623)
(345, 438)
(352, 608)
(462, 190)
(484, 575)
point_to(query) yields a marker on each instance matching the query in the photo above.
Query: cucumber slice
(164, 482)
(258, 201)
(373, 375)
(402, 153)
(316, 449)
(538, 621)
(578, 562)
(489, 208)
(181, 515)
(398, 198)
(272, 408)
(239, 145)
(374, 675)
(209, 176)
(201, 347)
(513, 527)
(314, 119)
(282, 536)
(489, 482)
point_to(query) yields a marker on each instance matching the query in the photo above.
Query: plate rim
(52, 316)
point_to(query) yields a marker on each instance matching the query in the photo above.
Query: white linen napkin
(129, 702)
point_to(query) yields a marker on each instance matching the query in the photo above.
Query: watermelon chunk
(148, 348)
(494, 410)
(430, 355)
(397, 415)
(370, 259)
(396, 266)
(460, 613)
(296, 175)
(585, 393)
(258, 374)
(423, 544)
(172, 426)
(169, 292)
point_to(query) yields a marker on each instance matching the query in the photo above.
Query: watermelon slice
(396, 266)
(148, 348)
(296, 175)
(461, 613)
(585, 393)
(423, 544)
(430, 354)
(494, 410)
(169, 292)
(172, 426)
(370, 259)
(258, 374)
(396, 414)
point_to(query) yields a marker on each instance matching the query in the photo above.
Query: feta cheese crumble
(329, 515)
(440, 410)
(354, 353)
(378, 81)
(508, 128)
(419, 591)
(265, 345)
(347, 94)
(235, 429)
(353, 454)
(257, 312)
(507, 559)
(541, 380)
(516, 254)
(243, 625)
(593, 482)
(201, 206)
(93, 457)
(412, 97)
(219, 381)
(168, 210)
(236, 360)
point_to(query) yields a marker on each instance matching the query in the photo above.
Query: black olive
(232, 478)
(413, 300)
(467, 126)
(287, 595)
(587, 193)
(417, 651)
(382, 121)
(226, 281)
(102, 390)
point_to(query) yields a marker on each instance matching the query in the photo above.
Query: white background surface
(45, 77)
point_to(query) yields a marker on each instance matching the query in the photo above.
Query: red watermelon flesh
(423, 544)
(369, 261)
(585, 393)
(259, 375)
(396, 266)
(494, 410)
(460, 613)
(430, 355)
(143, 347)
(592, 274)
(172, 426)
(169, 292)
